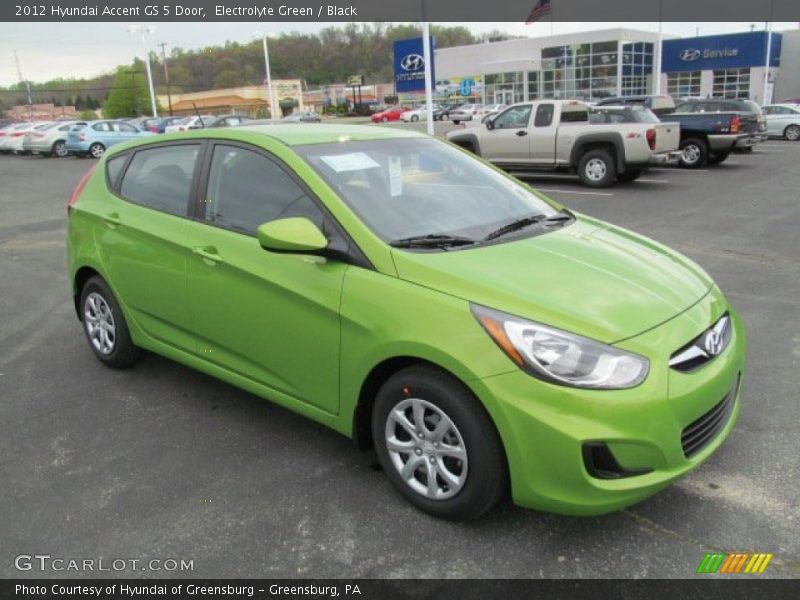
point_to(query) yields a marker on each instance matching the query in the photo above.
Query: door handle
(522, 133)
(112, 220)
(208, 253)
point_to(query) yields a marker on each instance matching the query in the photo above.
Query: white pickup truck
(559, 135)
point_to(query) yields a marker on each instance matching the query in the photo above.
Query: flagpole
(660, 45)
(764, 99)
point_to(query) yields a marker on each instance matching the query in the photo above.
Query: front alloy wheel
(426, 449)
(99, 322)
(792, 133)
(437, 444)
(60, 149)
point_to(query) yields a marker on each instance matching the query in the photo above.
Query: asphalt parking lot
(163, 462)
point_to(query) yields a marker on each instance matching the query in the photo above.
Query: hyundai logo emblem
(690, 54)
(412, 62)
(713, 343)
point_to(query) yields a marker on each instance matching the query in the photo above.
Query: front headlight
(560, 357)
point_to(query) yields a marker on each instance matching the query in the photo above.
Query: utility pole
(27, 85)
(163, 45)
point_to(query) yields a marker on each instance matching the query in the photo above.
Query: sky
(50, 50)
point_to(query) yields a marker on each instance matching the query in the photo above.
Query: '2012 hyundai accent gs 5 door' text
(483, 338)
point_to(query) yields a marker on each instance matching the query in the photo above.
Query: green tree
(129, 95)
(87, 115)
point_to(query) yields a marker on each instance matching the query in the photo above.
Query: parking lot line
(652, 181)
(550, 190)
(677, 168)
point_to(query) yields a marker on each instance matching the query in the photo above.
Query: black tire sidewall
(786, 132)
(486, 467)
(124, 352)
(98, 145)
(702, 147)
(611, 168)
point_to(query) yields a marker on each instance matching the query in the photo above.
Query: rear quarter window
(113, 169)
(161, 178)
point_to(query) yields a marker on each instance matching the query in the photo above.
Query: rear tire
(105, 326)
(792, 133)
(694, 153)
(414, 118)
(456, 471)
(597, 169)
(97, 150)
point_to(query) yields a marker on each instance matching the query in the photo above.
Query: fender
(471, 138)
(607, 137)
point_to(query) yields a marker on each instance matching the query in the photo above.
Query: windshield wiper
(526, 222)
(432, 240)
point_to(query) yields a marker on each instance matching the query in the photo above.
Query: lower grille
(699, 433)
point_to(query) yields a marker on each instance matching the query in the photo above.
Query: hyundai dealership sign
(731, 51)
(409, 65)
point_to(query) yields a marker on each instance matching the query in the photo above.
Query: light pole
(144, 30)
(273, 105)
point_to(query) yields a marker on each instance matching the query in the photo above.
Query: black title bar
(397, 10)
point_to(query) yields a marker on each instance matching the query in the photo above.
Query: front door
(508, 141)
(270, 317)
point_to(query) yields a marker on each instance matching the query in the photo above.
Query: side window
(246, 189)
(101, 126)
(125, 128)
(544, 115)
(574, 116)
(161, 178)
(114, 168)
(64, 128)
(514, 118)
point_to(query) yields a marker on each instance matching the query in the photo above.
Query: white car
(189, 123)
(783, 120)
(418, 114)
(13, 140)
(466, 112)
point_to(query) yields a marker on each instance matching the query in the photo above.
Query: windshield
(404, 188)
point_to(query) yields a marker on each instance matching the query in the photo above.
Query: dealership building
(620, 62)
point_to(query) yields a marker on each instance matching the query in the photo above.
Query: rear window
(574, 116)
(161, 178)
(631, 114)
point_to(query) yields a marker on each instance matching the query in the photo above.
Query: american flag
(539, 10)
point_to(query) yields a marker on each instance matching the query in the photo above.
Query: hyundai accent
(484, 339)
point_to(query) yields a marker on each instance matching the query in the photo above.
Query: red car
(390, 114)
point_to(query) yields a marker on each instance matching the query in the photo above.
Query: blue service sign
(409, 65)
(730, 51)
(465, 89)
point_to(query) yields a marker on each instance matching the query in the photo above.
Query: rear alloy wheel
(414, 118)
(694, 153)
(59, 150)
(438, 445)
(96, 150)
(105, 326)
(792, 133)
(596, 169)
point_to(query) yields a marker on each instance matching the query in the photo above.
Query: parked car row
(617, 139)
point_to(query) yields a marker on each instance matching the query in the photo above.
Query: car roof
(297, 135)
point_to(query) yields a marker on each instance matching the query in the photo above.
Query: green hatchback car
(482, 338)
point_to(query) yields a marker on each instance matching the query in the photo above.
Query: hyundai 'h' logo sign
(690, 54)
(713, 343)
(412, 62)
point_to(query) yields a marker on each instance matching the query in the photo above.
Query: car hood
(588, 277)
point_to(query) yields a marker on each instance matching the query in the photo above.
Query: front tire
(414, 118)
(437, 444)
(105, 326)
(597, 169)
(792, 133)
(59, 150)
(96, 150)
(694, 153)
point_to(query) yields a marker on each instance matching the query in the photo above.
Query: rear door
(508, 141)
(543, 134)
(142, 237)
(271, 318)
(126, 132)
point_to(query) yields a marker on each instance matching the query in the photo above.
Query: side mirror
(293, 234)
(489, 124)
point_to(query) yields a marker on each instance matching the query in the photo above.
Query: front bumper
(545, 427)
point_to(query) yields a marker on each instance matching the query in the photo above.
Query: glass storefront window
(731, 83)
(681, 85)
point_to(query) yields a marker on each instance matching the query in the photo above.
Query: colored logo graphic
(412, 62)
(736, 562)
